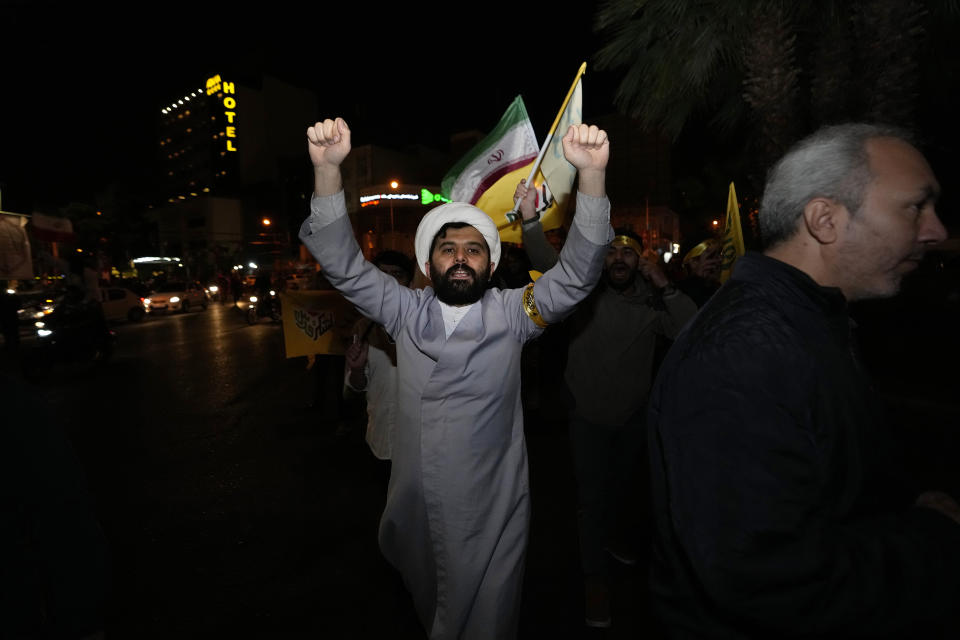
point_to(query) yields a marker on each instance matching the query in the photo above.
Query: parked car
(176, 296)
(120, 303)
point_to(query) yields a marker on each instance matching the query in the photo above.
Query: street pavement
(237, 503)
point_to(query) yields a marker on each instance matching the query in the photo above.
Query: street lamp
(393, 236)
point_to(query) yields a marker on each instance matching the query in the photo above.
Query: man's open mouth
(460, 274)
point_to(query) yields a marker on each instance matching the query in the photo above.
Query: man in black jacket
(776, 513)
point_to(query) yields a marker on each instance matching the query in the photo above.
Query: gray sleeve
(593, 218)
(329, 237)
(541, 253)
(326, 209)
(576, 273)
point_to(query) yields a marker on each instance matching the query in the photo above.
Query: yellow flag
(316, 322)
(554, 177)
(732, 247)
(498, 200)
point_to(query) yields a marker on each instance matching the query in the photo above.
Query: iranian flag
(511, 146)
(489, 174)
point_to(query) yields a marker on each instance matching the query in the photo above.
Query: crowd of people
(750, 461)
(727, 437)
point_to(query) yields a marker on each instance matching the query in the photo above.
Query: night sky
(82, 86)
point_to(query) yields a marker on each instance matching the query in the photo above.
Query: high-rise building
(199, 141)
(223, 145)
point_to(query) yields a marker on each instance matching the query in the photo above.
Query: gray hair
(829, 163)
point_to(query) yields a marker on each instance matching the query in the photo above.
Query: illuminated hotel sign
(215, 86)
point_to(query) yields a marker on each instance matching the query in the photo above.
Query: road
(235, 508)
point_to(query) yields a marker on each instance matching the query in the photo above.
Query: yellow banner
(732, 236)
(497, 201)
(316, 322)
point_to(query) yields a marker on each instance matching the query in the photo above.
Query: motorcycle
(74, 333)
(268, 308)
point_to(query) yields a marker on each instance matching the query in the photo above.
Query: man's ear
(823, 219)
(493, 266)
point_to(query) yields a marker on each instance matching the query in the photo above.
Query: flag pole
(512, 215)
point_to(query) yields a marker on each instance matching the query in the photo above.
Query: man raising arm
(457, 513)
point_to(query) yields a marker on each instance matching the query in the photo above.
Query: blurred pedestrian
(610, 356)
(371, 368)
(779, 511)
(236, 287)
(701, 266)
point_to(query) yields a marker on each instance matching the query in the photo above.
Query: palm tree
(783, 67)
(678, 59)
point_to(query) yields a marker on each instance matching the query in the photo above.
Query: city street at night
(654, 311)
(233, 508)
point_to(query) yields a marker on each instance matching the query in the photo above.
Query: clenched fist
(329, 142)
(586, 147)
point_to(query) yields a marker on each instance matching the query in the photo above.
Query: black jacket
(778, 511)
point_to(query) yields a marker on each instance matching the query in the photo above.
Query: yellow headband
(627, 241)
(697, 250)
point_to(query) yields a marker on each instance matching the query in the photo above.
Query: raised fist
(329, 142)
(586, 147)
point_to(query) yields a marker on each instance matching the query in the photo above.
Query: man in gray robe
(458, 510)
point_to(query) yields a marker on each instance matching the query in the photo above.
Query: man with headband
(701, 266)
(610, 356)
(458, 509)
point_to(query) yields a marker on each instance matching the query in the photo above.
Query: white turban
(454, 212)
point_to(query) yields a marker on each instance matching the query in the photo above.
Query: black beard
(619, 287)
(458, 292)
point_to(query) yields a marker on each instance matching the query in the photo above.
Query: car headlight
(146, 302)
(43, 333)
(272, 292)
(213, 289)
(253, 298)
(174, 299)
